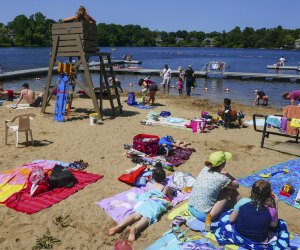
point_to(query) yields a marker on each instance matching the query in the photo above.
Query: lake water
(242, 60)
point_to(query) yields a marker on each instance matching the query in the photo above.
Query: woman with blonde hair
(81, 14)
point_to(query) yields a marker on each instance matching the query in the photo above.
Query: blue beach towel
(227, 234)
(278, 180)
(139, 106)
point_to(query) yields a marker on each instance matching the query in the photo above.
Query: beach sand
(102, 147)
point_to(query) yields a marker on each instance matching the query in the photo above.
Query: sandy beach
(102, 147)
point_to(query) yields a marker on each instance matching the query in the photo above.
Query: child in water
(180, 86)
(149, 206)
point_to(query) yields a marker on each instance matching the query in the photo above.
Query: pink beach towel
(23, 202)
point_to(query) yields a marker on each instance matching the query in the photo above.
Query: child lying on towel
(149, 206)
(167, 143)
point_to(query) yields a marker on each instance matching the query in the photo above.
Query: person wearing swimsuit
(149, 206)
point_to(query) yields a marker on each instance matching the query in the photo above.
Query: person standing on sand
(190, 79)
(81, 15)
(292, 96)
(166, 74)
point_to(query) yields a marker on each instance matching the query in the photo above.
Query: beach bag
(131, 99)
(145, 143)
(131, 177)
(61, 177)
(198, 126)
(165, 113)
(38, 181)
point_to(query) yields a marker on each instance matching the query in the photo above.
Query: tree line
(35, 31)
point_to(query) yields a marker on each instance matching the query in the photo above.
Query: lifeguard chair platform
(79, 40)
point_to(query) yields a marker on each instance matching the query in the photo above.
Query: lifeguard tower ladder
(79, 40)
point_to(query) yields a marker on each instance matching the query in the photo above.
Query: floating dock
(275, 67)
(156, 72)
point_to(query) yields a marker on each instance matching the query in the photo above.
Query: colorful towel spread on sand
(259, 122)
(166, 122)
(13, 182)
(23, 202)
(278, 180)
(196, 225)
(146, 107)
(227, 234)
(180, 155)
(121, 205)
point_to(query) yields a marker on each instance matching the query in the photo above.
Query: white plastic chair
(23, 126)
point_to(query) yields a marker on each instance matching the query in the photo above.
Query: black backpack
(61, 177)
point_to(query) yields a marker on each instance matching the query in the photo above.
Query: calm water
(244, 60)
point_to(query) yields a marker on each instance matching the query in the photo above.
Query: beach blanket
(227, 234)
(23, 202)
(122, 205)
(20, 106)
(279, 180)
(180, 155)
(197, 225)
(14, 180)
(146, 107)
(259, 122)
(171, 122)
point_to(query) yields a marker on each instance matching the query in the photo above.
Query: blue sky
(166, 15)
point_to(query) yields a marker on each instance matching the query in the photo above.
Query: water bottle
(207, 223)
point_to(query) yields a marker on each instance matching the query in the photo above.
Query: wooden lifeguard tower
(79, 40)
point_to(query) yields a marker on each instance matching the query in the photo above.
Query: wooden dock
(156, 72)
(275, 67)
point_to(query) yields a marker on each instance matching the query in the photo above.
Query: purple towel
(283, 124)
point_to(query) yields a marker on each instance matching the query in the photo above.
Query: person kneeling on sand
(150, 87)
(214, 188)
(28, 96)
(229, 114)
(150, 205)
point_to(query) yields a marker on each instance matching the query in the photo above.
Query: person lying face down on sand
(28, 96)
(213, 188)
(150, 205)
(167, 144)
(81, 15)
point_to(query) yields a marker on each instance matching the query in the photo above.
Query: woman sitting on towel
(253, 221)
(213, 188)
(149, 206)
